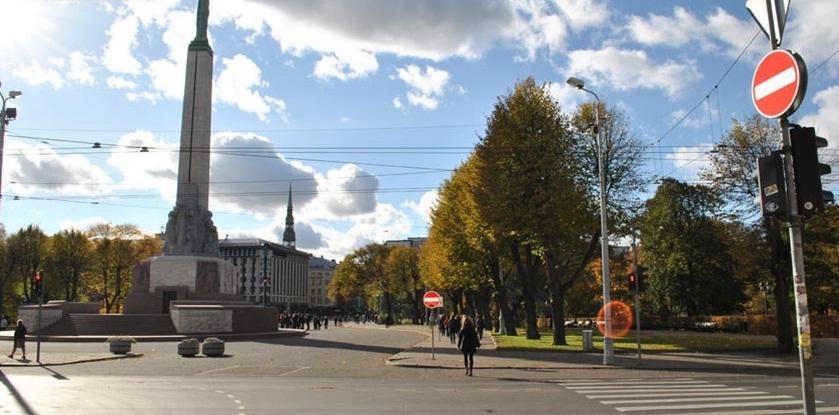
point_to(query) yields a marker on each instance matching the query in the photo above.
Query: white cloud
(82, 225)
(812, 31)
(344, 65)
(824, 119)
(257, 183)
(625, 70)
(583, 14)
(118, 82)
(80, 69)
(343, 193)
(37, 74)
(426, 204)
(140, 96)
(119, 52)
(238, 85)
(386, 222)
(567, 97)
(39, 167)
(690, 160)
(426, 88)
(397, 103)
(305, 236)
(157, 169)
(717, 31)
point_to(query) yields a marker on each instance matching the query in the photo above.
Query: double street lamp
(608, 352)
(6, 115)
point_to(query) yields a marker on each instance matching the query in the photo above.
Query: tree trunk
(525, 271)
(507, 325)
(558, 314)
(782, 286)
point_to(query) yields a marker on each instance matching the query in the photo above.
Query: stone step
(112, 324)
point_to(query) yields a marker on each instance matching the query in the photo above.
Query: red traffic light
(37, 278)
(631, 277)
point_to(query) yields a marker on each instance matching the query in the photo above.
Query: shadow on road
(329, 344)
(55, 374)
(16, 394)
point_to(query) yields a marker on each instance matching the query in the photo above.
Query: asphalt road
(342, 371)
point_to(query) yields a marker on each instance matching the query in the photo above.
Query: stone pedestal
(160, 280)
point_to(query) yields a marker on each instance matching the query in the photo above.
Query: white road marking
(704, 399)
(660, 390)
(707, 406)
(644, 386)
(774, 83)
(216, 370)
(679, 382)
(295, 370)
(822, 410)
(654, 395)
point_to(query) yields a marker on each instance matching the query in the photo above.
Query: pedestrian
(468, 343)
(480, 325)
(454, 328)
(4, 323)
(441, 326)
(20, 339)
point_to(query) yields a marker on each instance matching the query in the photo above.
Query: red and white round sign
(779, 83)
(432, 299)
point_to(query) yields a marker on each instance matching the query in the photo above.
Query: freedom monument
(189, 281)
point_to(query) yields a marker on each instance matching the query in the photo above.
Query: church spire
(288, 234)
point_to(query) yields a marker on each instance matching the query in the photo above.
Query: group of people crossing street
(466, 333)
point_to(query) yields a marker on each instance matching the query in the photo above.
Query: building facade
(321, 271)
(268, 272)
(415, 242)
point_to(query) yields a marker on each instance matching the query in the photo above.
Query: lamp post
(608, 353)
(265, 251)
(5, 117)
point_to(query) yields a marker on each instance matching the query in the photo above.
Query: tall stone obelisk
(190, 267)
(190, 229)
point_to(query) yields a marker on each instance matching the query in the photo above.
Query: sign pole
(432, 333)
(38, 347)
(805, 348)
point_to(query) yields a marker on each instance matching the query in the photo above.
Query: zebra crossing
(687, 396)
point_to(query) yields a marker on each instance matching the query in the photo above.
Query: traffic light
(770, 182)
(631, 280)
(38, 285)
(808, 170)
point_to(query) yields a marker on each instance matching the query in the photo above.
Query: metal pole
(637, 301)
(608, 353)
(805, 349)
(432, 333)
(2, 141)
(38, 347)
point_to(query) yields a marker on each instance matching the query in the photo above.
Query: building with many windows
(321, 271)
(267, 272)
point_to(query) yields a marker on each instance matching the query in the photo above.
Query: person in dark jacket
(454, 328)
(468, 343)
(20, 339)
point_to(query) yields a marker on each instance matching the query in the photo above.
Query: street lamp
(265, 251)
(5, 117)
(608, 353)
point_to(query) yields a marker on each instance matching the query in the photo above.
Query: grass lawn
(651, 341)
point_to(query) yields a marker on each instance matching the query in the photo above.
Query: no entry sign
(779, 83)
(432, 299)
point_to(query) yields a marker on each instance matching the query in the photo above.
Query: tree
(731, 173)
(689, 267)
(363, 272)
(403, 268)
(70, 257)
(26, 250)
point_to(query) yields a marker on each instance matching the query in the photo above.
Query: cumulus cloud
(344, 192)
(39, 167)
(247, 174)
(426, 204)
(118, 56)
(386, 222)
(306, 237)
(811, 29)
(79, 69)
(156, 169)
(36, 74)
(567, 97)
(425, 88)
(624, 70)
(827, 125)
(118, 82)
(344, 65)
(718, 30)
(238, 85)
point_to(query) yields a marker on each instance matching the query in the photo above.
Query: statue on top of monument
(203, 16)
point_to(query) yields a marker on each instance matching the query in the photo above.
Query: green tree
(70, 257)
(731, 172)
(363, 272)
(402, 265)
(26, 250)
(689, 266)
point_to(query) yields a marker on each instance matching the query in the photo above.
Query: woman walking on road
(20, 339)
(468, 343)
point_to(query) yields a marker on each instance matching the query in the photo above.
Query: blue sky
(364, 105)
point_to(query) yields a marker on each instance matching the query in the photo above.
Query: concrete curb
(73, 362)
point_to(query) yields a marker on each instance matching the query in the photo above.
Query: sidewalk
(489, 357)
(9, 335)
